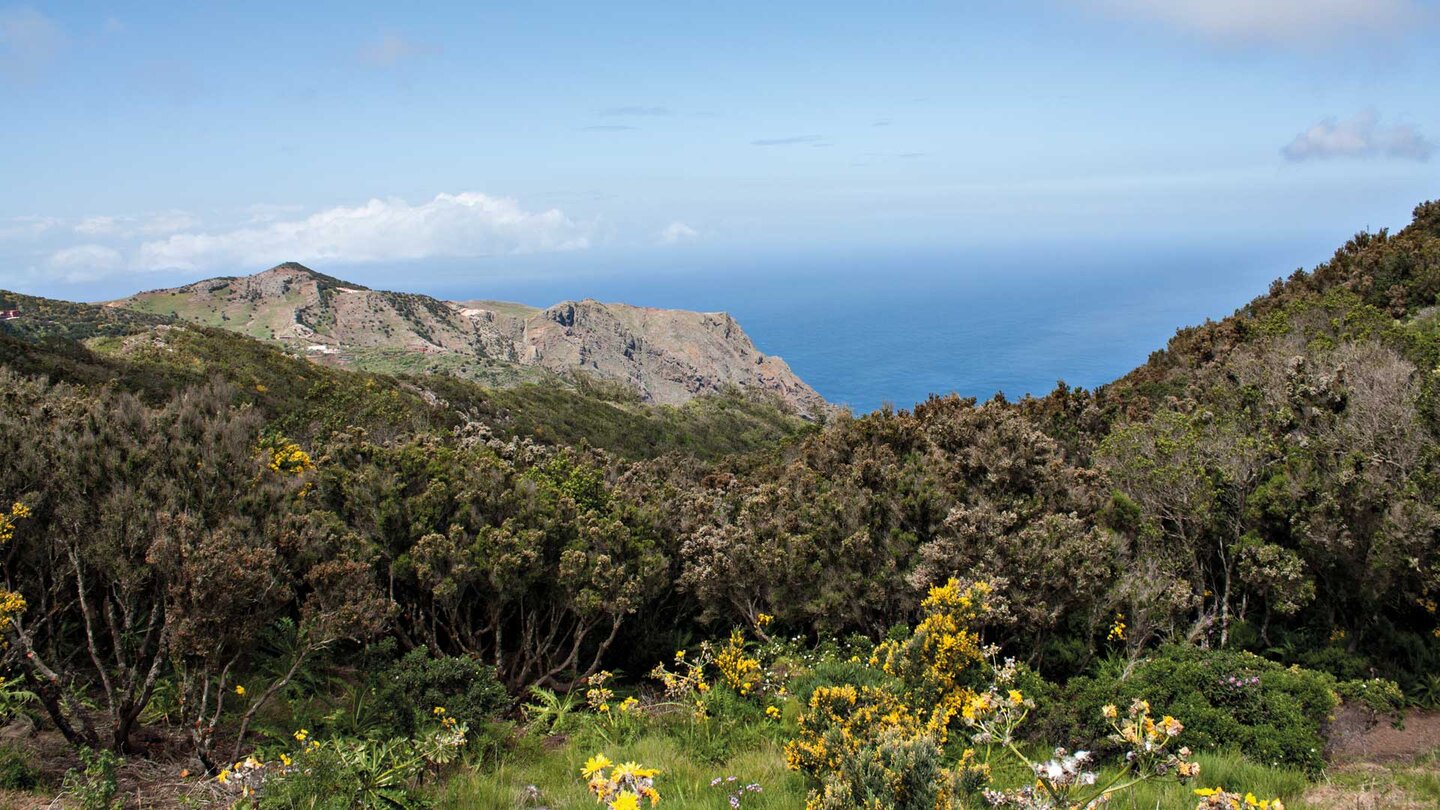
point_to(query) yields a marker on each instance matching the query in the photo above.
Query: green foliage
(550, 713)
(416, 684)
(1426, 693)
(1227, 699)
(1379, 696)
(17, 767)
(896, 771)
(838, 672)
(95, 786)
(348, 773)
(14, 698)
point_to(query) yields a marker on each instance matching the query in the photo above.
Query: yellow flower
(1206, 791)
(625, 801)
(1117, 630)
(240, 690)
(438, 710)
(1016, 698)
(594, 765)
(772, 711)
(301, 735)
(1109, 711)
(224, 776)
(1170, 726)
(764, 620)
(285, 760)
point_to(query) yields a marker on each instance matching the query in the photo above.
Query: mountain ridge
(666, 356)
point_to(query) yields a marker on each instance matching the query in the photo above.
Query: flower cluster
(598, 693)
(1063, 781)
(1117, 630)
(620, 787)
(731, 664)
(736, 790)
(288, 457)
(1147, 742)
(689, 680)
(245, 776)
(935, 661)
(1218, 799)
(840, 720)
(18, 512)
(12, 604)
(995, 713)
(1237, 683)
(738, 669)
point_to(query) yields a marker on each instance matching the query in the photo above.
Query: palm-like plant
(551, 711)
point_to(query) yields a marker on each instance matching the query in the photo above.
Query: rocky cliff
(667, 356)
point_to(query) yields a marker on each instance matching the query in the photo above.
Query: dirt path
(1376, 766)
(1356, 738)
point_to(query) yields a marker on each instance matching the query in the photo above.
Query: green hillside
(1230, 557)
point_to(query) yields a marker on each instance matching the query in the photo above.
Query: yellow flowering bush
(620, 787)
(614, 722)
(689, 677)
(738, 670)
(285, 456)
(840, 720)
(938, 659)
(18, 511)
(12, 604)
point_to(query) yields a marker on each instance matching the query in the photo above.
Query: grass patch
(684, 781)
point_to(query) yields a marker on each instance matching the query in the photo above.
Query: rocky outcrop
(668, 356)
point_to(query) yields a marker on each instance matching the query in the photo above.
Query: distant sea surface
(893, 326)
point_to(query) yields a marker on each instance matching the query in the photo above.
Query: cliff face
(667, 356)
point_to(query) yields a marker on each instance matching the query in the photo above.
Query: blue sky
(147, 144)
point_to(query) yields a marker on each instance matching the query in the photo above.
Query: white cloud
(1303, 22)
(160, 223)
(269, 212)
(393, 49)
(28, 42)
(27, 227)
(85, 262)
(677, 232)
(1359, 136)
(451, 225)
(98, 226)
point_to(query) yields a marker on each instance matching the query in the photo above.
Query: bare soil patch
(1355, 736)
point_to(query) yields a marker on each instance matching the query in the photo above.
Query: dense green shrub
(1377, 695)
(1228, 700)
(411, 688)
(837, 672)
(346, 773)
(898, 771)
(17, 768)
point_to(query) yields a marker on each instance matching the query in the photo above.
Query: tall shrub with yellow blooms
(12, 604)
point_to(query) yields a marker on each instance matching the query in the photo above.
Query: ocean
(870, 327)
